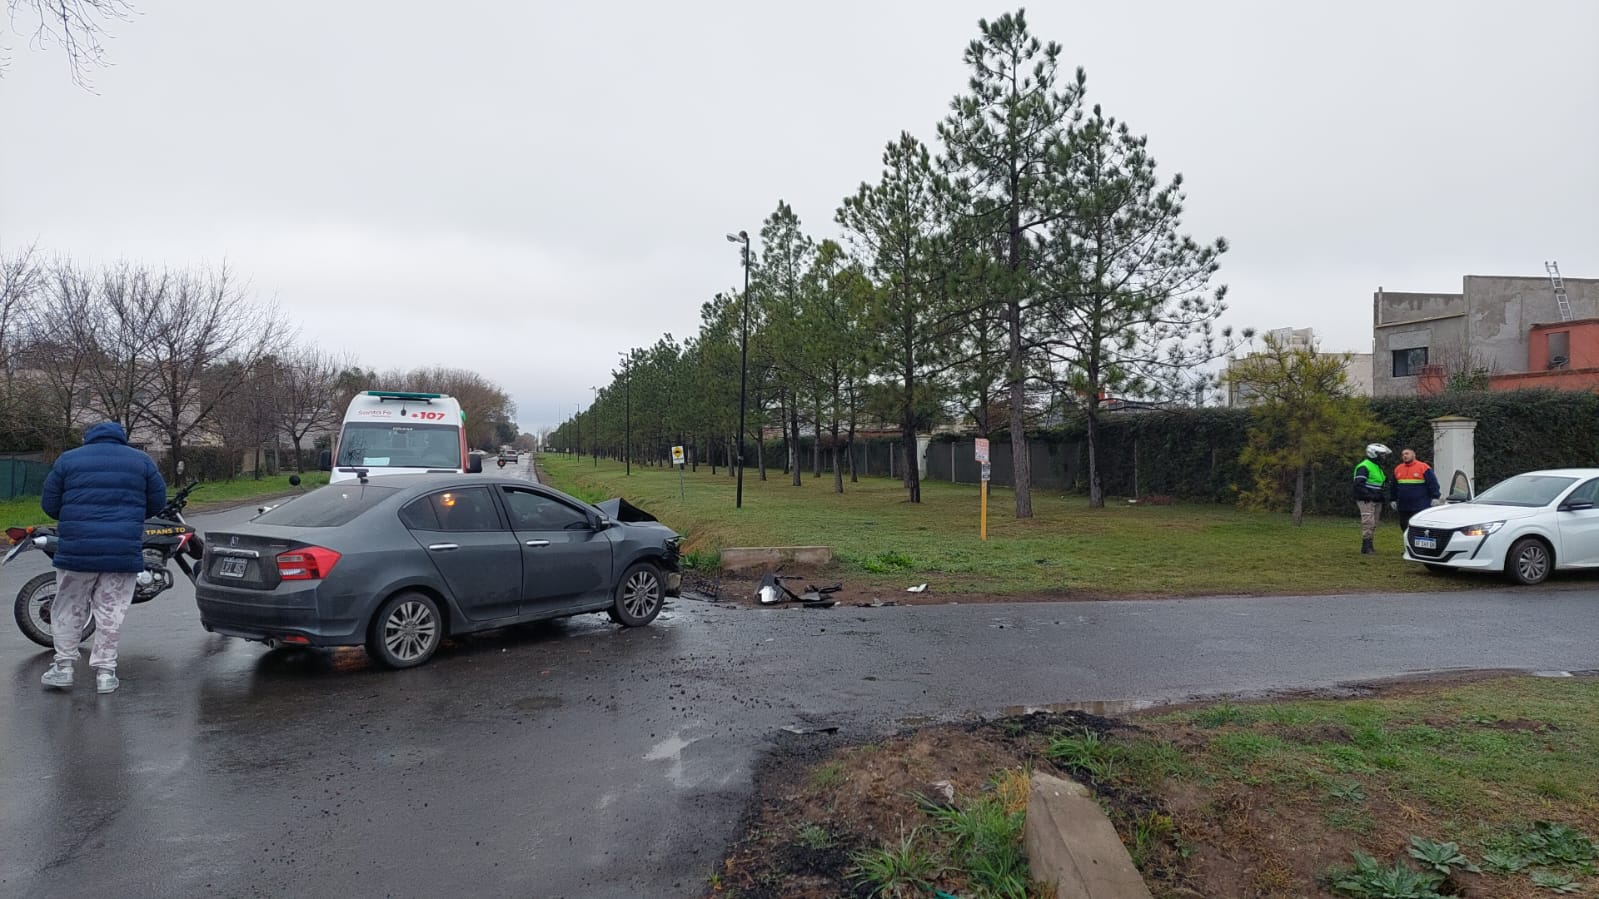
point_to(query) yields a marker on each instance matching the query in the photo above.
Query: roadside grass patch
(1431, 791)
(24, 510)
(1065, 550)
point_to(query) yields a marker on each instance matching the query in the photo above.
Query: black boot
(1366, 549)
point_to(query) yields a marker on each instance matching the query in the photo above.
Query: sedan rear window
(1526, 490)
(328, 507)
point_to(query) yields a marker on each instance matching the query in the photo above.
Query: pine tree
(1003, 140)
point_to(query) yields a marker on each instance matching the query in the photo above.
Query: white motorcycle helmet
(1377, 451)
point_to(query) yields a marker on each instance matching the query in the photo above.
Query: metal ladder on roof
(1561, 299)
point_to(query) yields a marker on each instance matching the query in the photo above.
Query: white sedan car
(1525, 527)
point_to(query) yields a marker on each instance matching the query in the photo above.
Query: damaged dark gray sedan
(399, 563)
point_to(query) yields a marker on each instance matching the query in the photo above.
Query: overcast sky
(525, 188)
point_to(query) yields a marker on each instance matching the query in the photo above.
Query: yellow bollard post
(983, 515)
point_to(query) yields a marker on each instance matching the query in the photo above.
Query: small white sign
(982, 451)
(677, 455)
(986, 471)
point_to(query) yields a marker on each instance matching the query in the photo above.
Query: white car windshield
(1531, 490)
(376, 444)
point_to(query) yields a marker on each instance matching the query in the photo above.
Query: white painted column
(1454, 449)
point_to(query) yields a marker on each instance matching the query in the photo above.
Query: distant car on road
(398, 563)
(509, 457)
(1526, 527)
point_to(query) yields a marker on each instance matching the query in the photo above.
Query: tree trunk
(1021, 459)
(793, 424)
(913, 475)
(299, 457)
(1299, 497)
(816, 445)
(1096, 487)
(788, 445)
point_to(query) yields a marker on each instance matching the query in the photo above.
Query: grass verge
(1066, 549)
(24, 510)
(1471, 789)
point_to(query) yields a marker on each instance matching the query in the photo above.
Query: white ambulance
(397, 432)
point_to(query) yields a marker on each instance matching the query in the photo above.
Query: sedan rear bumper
(272, 615)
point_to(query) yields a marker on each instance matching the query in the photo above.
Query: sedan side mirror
(601, 523)
(1576, 505)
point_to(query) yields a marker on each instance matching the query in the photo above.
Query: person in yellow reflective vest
(1413, 488)
(1369, 488)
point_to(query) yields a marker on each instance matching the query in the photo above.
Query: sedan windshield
(328, 507)
(1526, 490)
(378, 444)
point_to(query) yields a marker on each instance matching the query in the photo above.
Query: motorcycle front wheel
(33, 609)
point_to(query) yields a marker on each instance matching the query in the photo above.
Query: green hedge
(1193, 453)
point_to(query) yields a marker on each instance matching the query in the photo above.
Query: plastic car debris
(920, 588)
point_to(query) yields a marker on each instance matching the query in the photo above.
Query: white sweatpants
(106, 595)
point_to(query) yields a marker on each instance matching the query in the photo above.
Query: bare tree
(203, 320)
(309, 395)
(110, 316)
(20, 282)
(76, 26)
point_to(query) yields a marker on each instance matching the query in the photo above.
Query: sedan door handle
(538, 543)
(444, 547)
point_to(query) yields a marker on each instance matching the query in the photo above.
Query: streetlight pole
(742, 237)
(627, 413)
(594, 430)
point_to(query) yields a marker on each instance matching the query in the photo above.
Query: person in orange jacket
(1413, 488)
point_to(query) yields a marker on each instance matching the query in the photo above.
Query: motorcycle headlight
(1481, 530)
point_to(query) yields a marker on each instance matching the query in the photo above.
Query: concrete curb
(1070, 843)
(739, 558)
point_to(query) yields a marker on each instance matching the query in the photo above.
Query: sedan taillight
(306, 564)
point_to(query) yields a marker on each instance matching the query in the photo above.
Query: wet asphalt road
(581, 759)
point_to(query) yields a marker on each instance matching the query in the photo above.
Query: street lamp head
(740, 237)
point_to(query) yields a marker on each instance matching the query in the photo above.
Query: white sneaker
(59, 675)
(105, 681)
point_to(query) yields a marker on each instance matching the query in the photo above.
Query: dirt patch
(819, 799)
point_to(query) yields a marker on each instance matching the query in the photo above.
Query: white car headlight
(1481, 530)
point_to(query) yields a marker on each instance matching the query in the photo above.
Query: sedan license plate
(232, 567)
(1425, 542)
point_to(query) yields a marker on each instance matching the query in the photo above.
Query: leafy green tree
(1130, 310)
(1304, 417)
(1003, 141)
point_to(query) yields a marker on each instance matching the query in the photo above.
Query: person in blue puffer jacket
(100, 494)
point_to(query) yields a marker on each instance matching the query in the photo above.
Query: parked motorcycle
(167, 538)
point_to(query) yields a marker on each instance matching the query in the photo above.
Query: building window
(1559, 349)
(1409, 363)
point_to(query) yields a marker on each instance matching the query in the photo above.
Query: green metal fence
(21, 477)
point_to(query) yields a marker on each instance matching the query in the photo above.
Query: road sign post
(982, 515)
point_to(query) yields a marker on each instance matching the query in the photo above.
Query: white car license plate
(231, 567)
(1425, 543)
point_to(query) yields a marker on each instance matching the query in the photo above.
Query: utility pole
(742, 237)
